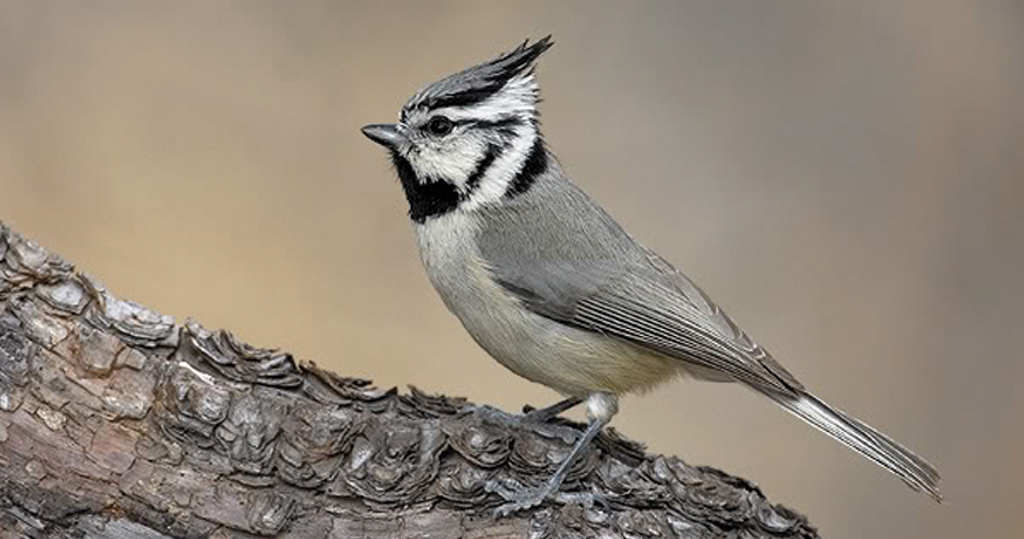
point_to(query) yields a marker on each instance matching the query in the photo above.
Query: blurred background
(845, 178)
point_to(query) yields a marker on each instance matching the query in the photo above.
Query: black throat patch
(435, 197)
(425, 199)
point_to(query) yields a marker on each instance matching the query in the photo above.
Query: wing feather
(570, 262)
(652, 308)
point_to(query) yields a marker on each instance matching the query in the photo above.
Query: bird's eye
(440, 126)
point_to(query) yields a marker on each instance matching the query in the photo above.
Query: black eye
(440, 126)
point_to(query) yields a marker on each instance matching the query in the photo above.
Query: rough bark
(115, 422)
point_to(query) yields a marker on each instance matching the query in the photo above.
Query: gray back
(568, 260)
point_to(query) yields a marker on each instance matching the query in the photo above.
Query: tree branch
(117, 423)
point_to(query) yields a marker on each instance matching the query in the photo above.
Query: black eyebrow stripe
(465, 98)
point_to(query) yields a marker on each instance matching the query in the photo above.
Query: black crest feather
(479, 82)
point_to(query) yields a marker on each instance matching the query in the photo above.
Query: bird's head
(470, 138)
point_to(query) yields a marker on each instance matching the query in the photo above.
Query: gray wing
(666, 310)
(577, 266)
(569, 261)
(663, 310)
(658, 308)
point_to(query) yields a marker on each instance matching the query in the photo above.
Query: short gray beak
(386, 135)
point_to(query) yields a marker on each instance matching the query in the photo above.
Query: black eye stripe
(504, 126)
(506, 123)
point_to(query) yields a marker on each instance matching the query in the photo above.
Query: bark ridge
(116, 423)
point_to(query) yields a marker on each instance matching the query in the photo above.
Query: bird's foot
(519, 497)
(586, 499)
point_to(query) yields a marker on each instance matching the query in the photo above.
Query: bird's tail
(912, 469)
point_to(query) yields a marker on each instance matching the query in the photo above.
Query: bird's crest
(511, 71)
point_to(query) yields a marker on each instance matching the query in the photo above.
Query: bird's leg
(600, 409)
(520, 497)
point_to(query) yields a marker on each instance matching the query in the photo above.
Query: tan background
(846, 178)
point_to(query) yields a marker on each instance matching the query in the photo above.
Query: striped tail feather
(862, 438)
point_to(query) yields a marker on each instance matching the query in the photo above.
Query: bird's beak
(386, 135)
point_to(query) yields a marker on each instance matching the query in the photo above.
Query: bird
(553, 288)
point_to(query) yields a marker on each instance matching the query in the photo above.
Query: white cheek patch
(453, 163)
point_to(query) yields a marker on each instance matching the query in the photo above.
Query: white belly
(568, 360)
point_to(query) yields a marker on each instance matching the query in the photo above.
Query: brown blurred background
(846, 178)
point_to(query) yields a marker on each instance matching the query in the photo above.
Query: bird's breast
(566, 359)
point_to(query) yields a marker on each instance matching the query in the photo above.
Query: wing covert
(652, 305)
